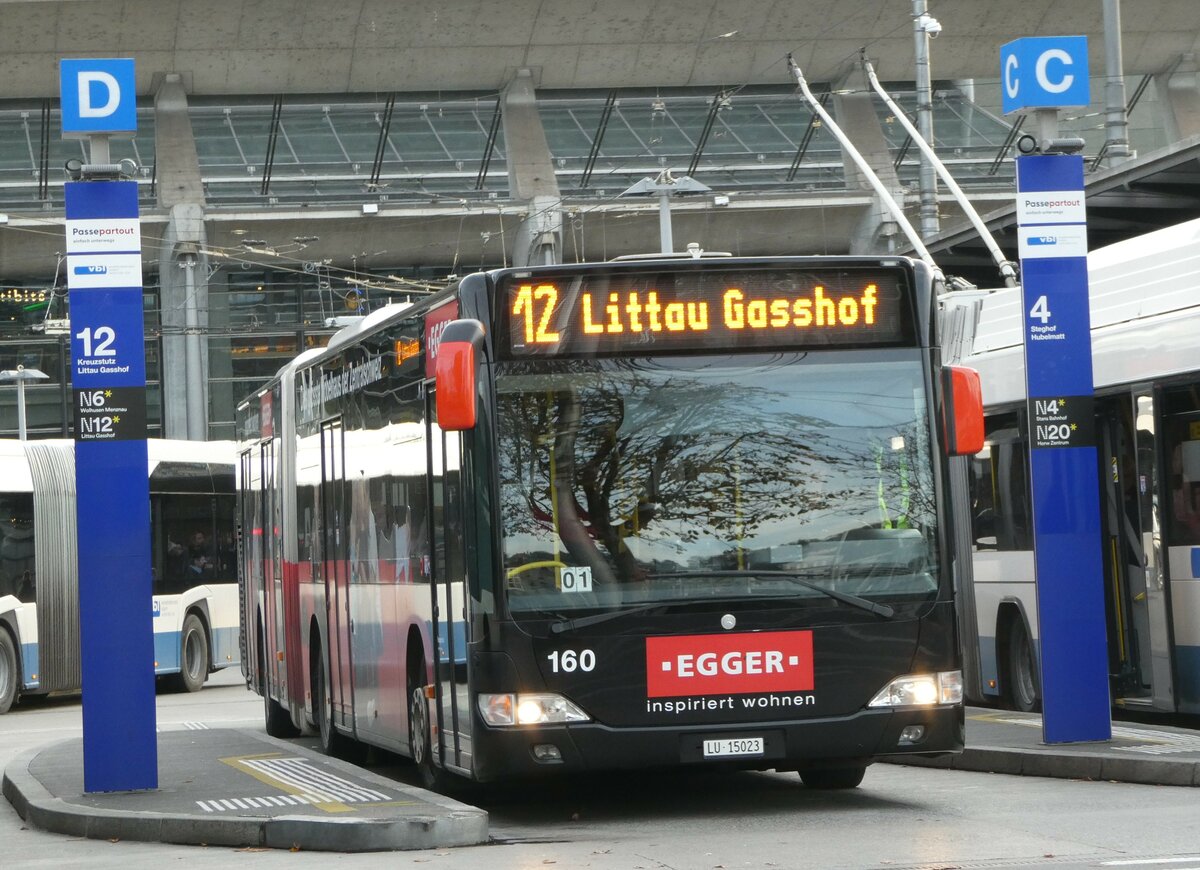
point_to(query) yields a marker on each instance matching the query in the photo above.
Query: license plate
(733, 746)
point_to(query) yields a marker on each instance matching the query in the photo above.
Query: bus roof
(15, 474)
(14, 467)
(1144, 307)
(173, 450)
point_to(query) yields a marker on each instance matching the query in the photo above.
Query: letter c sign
(1044, 72)
(98, 95)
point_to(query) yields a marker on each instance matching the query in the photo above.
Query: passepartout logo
(729, 664)
(1062, 202)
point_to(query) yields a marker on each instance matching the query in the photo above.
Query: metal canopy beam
(605, 114)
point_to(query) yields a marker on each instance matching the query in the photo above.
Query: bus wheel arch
(10, 669)
(1016, 659)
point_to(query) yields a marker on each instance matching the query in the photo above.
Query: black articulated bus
(623, 515)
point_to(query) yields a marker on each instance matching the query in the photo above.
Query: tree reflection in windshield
(633, 468)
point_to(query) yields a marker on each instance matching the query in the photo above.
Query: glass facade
(33, 154)
(299, 152)
(416, 150)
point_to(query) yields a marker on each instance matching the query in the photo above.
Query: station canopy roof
(752, 139)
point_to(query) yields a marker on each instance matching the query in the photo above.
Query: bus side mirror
(964, 411)
(456, 358)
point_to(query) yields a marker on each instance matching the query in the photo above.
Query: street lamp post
(20, 375)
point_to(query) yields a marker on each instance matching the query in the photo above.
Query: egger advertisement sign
(729, 664)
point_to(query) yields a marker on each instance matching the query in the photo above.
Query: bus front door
(1135, 594)
(451, 715)
(337, 577)
(253, 644)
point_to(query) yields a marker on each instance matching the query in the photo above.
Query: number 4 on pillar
(1040, 310)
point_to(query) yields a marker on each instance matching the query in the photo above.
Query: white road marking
(1149, 741)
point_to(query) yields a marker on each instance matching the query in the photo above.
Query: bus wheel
(193, 655)
(278, 720)
(833, 777)
(9, 675)
(333, 742)
(1022, 677)
(419, 742)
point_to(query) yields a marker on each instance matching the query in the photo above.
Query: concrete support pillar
(531, 175)
(177, 168)
(182, 267)
(1179, 97)
(855, 113)
(183, 293)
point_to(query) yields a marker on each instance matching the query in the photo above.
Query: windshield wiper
(597, 618)
(884, 610)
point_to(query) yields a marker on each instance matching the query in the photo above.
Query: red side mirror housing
(455, 370)
(964, 411)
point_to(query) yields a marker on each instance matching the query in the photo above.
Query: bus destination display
(689, 309)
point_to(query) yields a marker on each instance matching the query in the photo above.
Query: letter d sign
(99, 95)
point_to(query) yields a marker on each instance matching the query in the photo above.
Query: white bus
(193, 555)
(1145, 316)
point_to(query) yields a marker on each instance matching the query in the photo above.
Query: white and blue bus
(193, 555)
(1145, 323)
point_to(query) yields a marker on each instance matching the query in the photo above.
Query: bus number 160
(568, 661)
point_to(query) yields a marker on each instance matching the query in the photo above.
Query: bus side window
(999, 483)
(1181, 435)
(16, 547)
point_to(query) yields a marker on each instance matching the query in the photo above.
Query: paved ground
(241, 788)
(1002, 741)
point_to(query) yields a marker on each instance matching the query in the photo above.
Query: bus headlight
(536, 708)
(921, 690)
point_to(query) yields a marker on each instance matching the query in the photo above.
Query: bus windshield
(670, 479)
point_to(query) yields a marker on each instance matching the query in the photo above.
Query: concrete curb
(1064, 765)
(458, 825)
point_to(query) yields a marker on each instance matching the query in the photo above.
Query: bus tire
(193, 655)
(833, 777)
(277, 719)
(419, 740)
(10, 672)
(333, 742)
(1023, 692)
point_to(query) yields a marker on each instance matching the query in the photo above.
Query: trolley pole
(1045, 74)
(108, 358)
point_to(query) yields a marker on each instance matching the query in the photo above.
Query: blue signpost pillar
(1042, 73)
(104, 282)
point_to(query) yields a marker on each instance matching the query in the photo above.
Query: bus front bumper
(798, 744)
